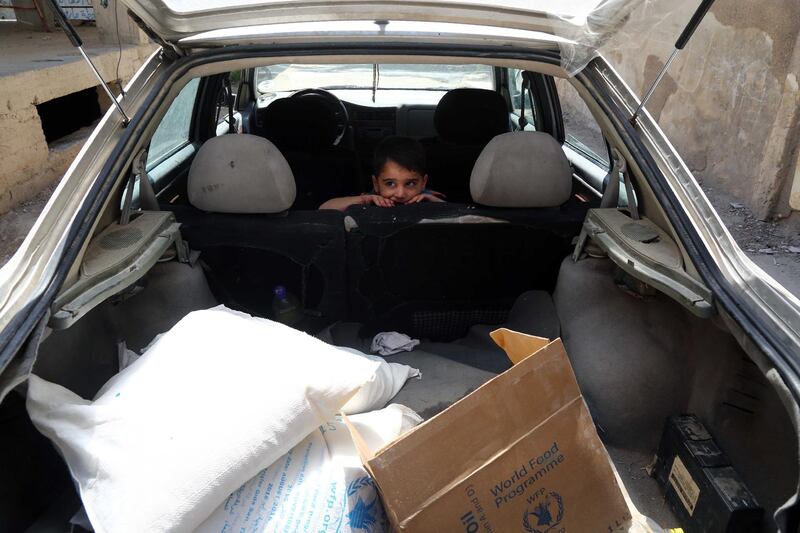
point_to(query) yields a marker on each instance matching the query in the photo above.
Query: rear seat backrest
(428, 276)
(241, 189)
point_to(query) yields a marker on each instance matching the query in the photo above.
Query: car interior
(225, 205)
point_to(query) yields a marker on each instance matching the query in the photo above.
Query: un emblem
(545, 515)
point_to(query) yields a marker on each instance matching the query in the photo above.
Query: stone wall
(730, 102)
(28, 163)
(38, 66)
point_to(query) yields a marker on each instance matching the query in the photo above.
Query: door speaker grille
(121, 238)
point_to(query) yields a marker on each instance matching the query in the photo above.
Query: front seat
(304, 130)
(465, 121)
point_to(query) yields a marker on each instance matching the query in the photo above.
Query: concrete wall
(114, 25)
(28, 164)
(35, 68)
(731, 101)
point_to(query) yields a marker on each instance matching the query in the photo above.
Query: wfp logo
(545, 514)
(365, 513)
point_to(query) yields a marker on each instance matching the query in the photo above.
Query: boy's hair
(405, 151)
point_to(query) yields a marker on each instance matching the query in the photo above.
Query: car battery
(701, 486)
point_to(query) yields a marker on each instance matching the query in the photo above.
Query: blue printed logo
(545, 515)
(363, 515)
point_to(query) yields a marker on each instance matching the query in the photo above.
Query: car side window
(580, 128)
(173, 132)
(520, 92)
(226, 96)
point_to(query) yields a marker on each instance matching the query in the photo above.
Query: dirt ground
(774, 246)
(15, 224)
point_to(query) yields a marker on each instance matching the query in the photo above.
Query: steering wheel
(334, 104)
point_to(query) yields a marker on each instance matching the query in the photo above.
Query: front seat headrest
(521, 169)
(299, 124)
(471, 116)
(240, 174)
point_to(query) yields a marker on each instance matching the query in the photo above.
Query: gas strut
(679, 44)
(76, 41)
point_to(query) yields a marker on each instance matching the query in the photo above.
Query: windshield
(290, 78)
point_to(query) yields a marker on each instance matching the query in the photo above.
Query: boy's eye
(411, 183)
(388, 183)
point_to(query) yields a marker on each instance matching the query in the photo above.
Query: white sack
(384, 385)
(320, 486)
(218, 398)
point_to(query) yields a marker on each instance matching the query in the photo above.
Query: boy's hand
(425, 197)
(376, 199)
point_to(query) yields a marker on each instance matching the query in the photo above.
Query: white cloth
(217, 399)
(392, 342)
(319, 486)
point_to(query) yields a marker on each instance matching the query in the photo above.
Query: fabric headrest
(305, 123)
(521, 169)
(240, 174)
(471, 116)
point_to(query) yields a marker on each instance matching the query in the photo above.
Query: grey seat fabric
(521, 169)
(443, 382)
(533, 313)
(240, 174)
(450, 371)
(241, 189)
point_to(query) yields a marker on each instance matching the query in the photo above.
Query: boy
(399, 177)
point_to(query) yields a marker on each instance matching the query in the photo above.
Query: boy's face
(398, 183)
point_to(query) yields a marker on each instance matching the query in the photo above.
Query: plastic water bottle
(285, 306)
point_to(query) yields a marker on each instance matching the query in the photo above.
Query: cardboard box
(520, 453)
